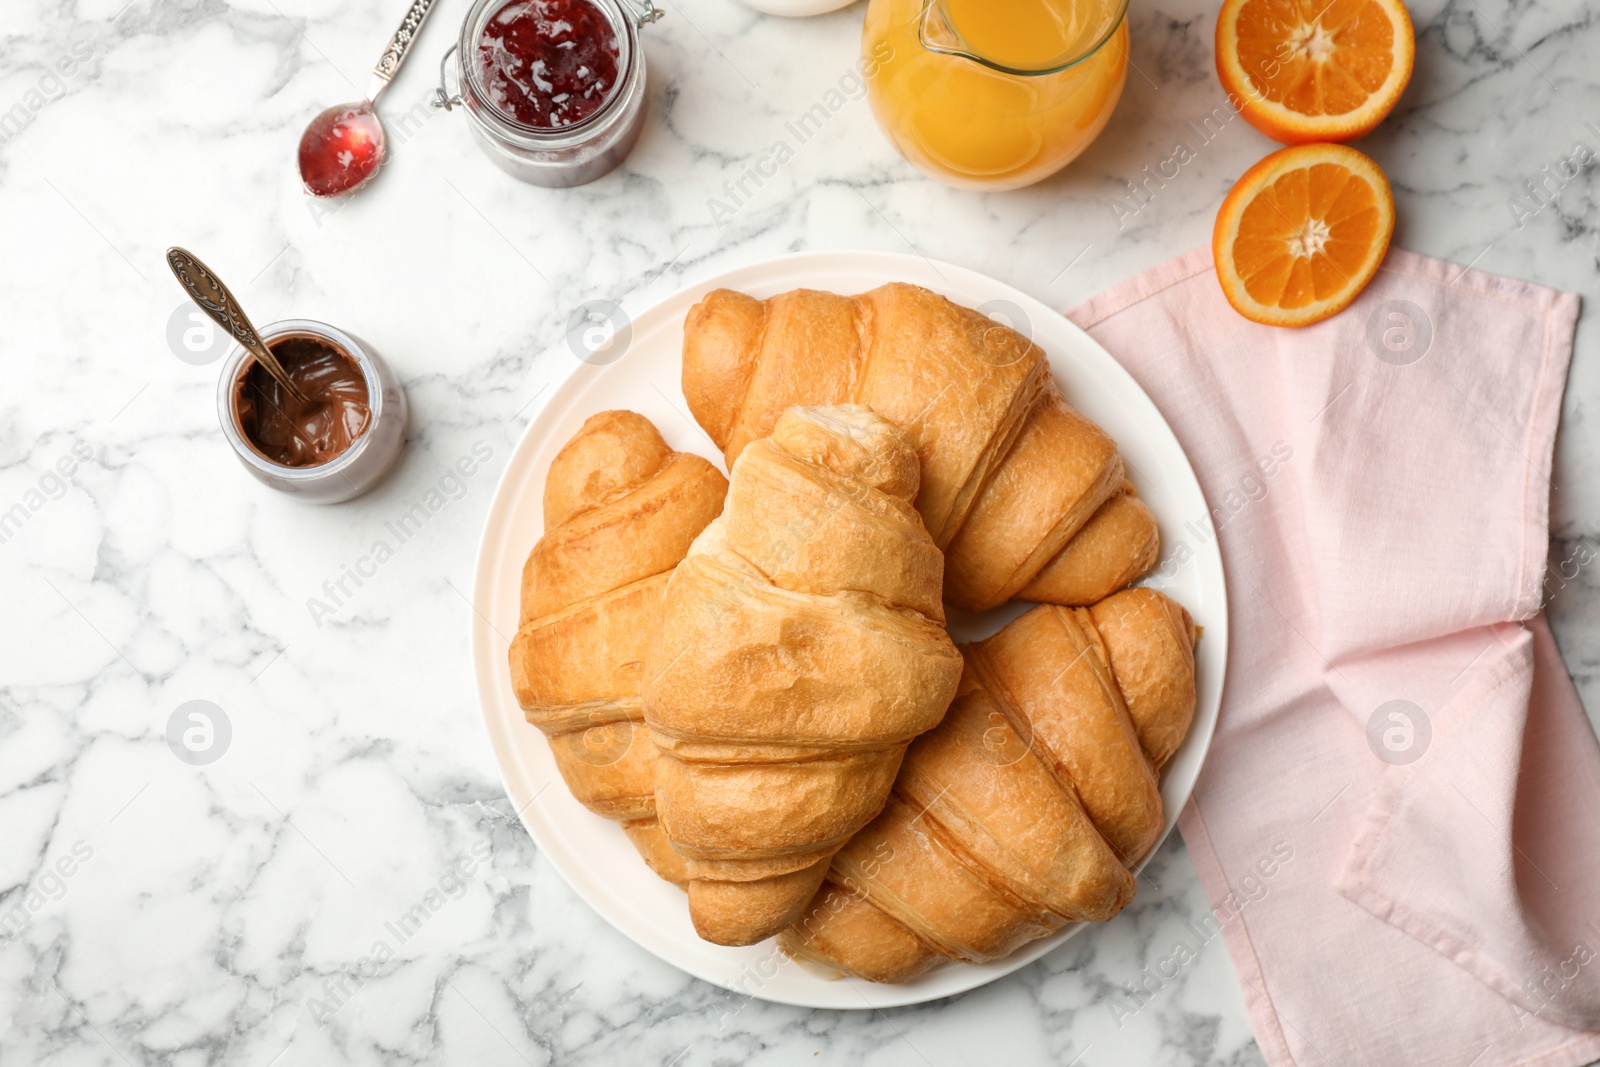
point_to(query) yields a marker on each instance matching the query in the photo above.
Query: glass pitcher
(994, 94)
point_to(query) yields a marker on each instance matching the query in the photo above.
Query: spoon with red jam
(344, 146)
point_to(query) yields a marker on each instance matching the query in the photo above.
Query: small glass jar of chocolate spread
(338, 441)
(555, 89)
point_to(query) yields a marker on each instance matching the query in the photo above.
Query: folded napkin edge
(1265, 1020)
(1502, 288)
(1368, 852)
(1259, 1005)
(1539, 445)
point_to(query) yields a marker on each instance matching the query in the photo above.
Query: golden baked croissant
(1116, 547)
(620, 509)
(802, 649)
(1010, 471)
(1026, 807)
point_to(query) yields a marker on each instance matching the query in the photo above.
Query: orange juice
(994, 94)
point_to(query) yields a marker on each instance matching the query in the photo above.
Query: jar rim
(238, 363)
(551, 136)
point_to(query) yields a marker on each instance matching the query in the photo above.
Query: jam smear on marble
(548, 63)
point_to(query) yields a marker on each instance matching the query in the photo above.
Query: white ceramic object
(592, 853)
(796, 8)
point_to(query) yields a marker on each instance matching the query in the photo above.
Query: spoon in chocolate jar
(344, 146)
(207, 290)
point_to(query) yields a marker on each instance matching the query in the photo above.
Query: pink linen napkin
(1397, 721)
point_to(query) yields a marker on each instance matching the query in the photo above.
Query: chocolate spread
(296, 433)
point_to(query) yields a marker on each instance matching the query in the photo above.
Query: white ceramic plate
(591, 852)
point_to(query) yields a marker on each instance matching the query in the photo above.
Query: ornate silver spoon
(207, 290)
(344, 146)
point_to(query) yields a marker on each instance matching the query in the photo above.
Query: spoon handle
(394, 54)
(207, 290)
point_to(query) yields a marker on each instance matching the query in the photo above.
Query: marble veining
(347, 883)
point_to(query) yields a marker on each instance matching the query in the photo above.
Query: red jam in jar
(548, 63)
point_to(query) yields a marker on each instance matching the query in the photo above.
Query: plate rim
(893, 264)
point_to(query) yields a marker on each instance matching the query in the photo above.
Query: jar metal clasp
(442, 96)
(645, 11)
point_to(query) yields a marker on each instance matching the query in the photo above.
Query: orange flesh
(1316, 57)
(1302, 238)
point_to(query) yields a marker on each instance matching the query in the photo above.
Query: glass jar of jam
(555, 89)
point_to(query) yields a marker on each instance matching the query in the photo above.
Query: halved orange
(1302, 233)
(1314, 70)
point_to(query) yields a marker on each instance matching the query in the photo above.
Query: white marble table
(212, 911)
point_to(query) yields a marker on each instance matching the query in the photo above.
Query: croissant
(801, 650)
(621, 509)
(1025, 809)
(1117, 546)
(1010, 471)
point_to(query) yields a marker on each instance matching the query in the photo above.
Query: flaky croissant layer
(621, 509)
(1029, 804)
(801, 650)
(1011, 474)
